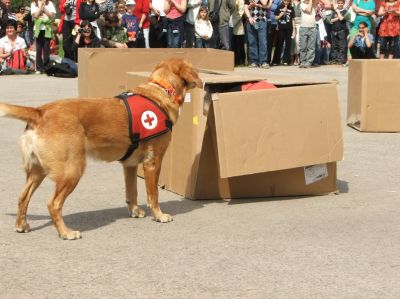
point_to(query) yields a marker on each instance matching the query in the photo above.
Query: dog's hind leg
(66, 180)
(152, 170)
(130, 174)
(34, 177)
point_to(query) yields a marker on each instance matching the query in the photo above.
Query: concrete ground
(336, 246)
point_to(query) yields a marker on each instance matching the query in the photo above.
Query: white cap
(130, 2)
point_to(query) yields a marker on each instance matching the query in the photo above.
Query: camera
(68, 8)
(80, 30)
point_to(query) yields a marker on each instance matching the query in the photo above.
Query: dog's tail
(28, 114)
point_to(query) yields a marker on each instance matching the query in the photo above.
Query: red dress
(390, 24)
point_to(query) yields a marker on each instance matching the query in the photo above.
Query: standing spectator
(131, 24)
(226, 9)
(295, 42)
(21, 13)
(43, 12)
(389, 29)
(272, 34)
(256, 12)
(89, 11)
(191, 15)
(213, 15)
(70, 20)
(203, 28)
(105, 6)
(114, 36)
(361, 44)
(339, 34)
(142, 10)
(12, 48)
(364, 10)
(238, 37)
(308, 34)
(158, 24)
(29, 26)
(176, 9)
(284, 15)
(3, 18)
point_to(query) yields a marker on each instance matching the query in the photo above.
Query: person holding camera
(86, 37)
(70, 21)
(43, 12)
(361, 45)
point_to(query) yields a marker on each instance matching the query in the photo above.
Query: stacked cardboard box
(373, 95)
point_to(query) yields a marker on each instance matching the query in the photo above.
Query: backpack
(62, 70)
(17, 61)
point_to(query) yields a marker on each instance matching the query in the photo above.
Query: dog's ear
(190, 75)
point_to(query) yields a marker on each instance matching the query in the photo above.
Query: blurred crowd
(261, 33)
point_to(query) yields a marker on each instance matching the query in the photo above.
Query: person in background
(203, 28)
(308, 33)
(114, 36)
(29, 26)
(43, 12)
(85, 37)
(89, 11)
(20, 13)
(3, 18)
(389, 29)
(105, 6)
(272, 35)
(70, 21)
(238, 36)
(361, 44)
(284, 15)
(175, 17)
(256, 12)
(192, 12)
(121, 8)
(142, 10)
(12, 47)
(295, 42)
(339, 34)
(226, 9)
(130, 23)
(158, 24)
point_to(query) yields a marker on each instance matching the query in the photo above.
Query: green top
(48, 31)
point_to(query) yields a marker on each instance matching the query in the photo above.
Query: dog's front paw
(137, 212)
(71, 235)
(163, 218)
(25, 228)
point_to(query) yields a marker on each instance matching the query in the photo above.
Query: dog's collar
(167, 87)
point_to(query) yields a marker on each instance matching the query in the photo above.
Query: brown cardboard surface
(102, 71)
(276, 129)
(373, 98)
(302, 136)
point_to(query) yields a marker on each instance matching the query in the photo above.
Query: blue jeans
(257, 41)
(202, 43)
(174, 29)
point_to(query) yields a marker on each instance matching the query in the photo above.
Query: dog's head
(179, 74)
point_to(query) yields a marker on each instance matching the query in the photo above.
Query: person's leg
(252, 43)
(276, 59)
(303, 45)
(68, 39)
(198, 43)
(215, 36)
(146, 33)
(189, 35)
(242, 51)
(288, 45)
(317, 47)
(342, 48)
(224, 36)
(39, 51)
(262, 43)
(335, 47)
(312, 41)
(46, 53)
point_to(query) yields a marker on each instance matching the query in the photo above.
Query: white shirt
(50, 7)
(307, 19)
(7, 46)
(203, 28)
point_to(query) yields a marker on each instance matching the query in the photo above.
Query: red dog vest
(146, 120)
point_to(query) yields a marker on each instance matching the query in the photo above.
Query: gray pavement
(336, 246)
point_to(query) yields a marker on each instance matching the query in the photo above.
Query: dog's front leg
(152, 170)
(130, 174)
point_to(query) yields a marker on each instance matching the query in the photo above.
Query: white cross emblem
(149, 120)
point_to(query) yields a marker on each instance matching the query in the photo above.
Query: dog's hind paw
(71, 235)
(23, 229)
(163, 218)
(137, 213)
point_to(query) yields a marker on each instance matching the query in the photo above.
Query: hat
(130, 2)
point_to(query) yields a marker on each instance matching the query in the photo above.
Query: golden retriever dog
(61, 134)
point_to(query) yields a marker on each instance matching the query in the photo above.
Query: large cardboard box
(253, 143)
(373, 102)
(102, 72)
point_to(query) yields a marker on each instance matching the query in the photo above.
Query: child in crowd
(203, 29)
(284, 15)
(121, 7)
(114, 36)
(295, 41)
(131, 23)
(339, 34)
(389, 29)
